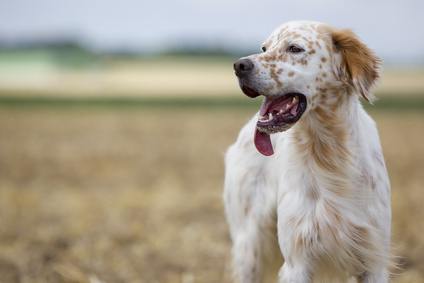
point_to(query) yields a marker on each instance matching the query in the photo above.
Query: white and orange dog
(305, 182)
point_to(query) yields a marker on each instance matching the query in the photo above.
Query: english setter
(306, 188)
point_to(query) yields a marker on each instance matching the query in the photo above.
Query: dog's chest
(310, 218)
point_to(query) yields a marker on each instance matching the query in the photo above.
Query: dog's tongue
(263, 140)
(263, 143)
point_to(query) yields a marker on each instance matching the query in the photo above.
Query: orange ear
(360, 65)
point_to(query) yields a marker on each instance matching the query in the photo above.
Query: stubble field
(134, 195)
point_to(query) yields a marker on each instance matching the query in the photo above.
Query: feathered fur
(321, 203)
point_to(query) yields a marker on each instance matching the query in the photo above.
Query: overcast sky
(395, 29)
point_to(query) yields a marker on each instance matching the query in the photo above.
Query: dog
(307, 193)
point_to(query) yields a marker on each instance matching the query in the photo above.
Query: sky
(393, 28)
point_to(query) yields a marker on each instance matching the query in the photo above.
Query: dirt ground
(122, 195)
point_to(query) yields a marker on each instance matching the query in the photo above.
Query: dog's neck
(324, 137)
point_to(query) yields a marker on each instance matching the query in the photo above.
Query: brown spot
(303, 62)
(268, 57)
(318, 45)
(291, 74)
(275, 77)
(323, 59)
(282, 57)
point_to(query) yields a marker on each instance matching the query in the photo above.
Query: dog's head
(303, 64)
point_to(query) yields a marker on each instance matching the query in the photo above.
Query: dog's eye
(263, 48)
(295, 49)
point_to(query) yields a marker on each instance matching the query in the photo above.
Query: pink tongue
(263, 143)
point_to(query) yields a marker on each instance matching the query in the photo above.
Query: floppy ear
(360, 66)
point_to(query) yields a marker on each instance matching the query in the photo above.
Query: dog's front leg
(297, 267)
(294, 273)
(247, 258)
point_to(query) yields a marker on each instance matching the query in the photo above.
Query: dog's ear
(360, 66)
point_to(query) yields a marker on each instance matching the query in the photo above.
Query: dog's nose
(243, 67)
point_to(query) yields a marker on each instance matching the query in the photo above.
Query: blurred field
(134, 195)
(111, 169)
(39, 74)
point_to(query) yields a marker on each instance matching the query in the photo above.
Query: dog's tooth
(294, 100)
(281, 111)
(293, 111)
(270, 116)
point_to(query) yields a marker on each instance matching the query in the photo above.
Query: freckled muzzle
(278, 113)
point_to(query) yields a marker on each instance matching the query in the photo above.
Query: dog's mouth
(277, 115)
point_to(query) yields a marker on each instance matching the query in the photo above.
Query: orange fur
(361, 65)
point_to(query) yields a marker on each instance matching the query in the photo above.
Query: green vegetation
(415, 103)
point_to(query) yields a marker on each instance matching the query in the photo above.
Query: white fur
(268, 200)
